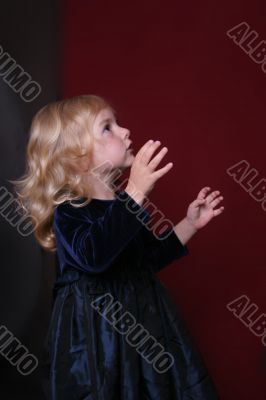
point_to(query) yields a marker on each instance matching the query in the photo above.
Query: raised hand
(143, 174)
(201, 210)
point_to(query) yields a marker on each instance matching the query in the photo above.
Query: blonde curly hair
(59, 147)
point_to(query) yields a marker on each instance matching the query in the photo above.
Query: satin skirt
(109, 342)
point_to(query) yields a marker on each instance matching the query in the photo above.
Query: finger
(218, 211)
(148, 152)
(158, 158)
(212, 196)
(144, 148)
(198, 202)
(216, 201)
(160, 172)
(202, 194)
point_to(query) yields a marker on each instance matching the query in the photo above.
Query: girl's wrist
(137, 196)
(184, 230)
(191, 225)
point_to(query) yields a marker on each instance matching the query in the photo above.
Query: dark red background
(173, 74)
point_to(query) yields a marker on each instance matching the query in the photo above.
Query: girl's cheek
(116, 144)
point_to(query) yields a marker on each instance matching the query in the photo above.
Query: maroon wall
(174, 74)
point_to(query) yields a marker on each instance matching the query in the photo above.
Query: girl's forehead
(107, 112)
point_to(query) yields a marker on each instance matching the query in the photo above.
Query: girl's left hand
(201, 210)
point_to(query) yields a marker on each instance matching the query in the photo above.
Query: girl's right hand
(143, 175)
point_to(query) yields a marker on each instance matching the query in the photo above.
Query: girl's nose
(127, 134)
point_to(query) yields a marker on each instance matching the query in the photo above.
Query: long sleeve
(161, 252)
(92, 244)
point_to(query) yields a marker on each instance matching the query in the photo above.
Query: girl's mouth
(130, 146)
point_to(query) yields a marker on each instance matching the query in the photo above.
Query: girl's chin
(130, 152)
(131, 156)
(128, 161)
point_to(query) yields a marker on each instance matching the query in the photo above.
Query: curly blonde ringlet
(57, 158)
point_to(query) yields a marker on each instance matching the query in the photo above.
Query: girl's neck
(103, 194)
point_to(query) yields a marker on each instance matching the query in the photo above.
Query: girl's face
(112, 142)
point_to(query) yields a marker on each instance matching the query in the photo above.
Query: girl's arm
(161, 253)
(93, 244)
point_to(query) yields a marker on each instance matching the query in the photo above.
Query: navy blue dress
(114, 332)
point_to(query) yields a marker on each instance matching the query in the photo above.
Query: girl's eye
(107, 127)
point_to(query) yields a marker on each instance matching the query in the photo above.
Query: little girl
(114, 332)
